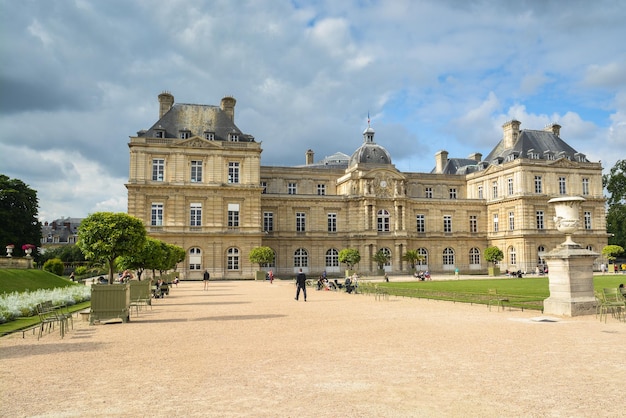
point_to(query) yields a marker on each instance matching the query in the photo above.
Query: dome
(369, 152)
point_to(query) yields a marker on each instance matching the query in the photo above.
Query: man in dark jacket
(301, 284)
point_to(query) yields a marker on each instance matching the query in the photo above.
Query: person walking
(271, 275)
(301, 284)
(206, 279)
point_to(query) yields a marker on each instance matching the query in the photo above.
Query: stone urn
(567, 219)
(10, 250)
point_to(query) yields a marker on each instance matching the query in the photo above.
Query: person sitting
(320, 283)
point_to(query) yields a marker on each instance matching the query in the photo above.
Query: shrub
(54, 266)
(80, 270)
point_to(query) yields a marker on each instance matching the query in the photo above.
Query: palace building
(196, 181)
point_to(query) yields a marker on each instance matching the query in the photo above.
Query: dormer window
(209, 136)
(581, 158)
(548, 155)
(532, 155)
(233, 137)
(184, 134)
(159, 133)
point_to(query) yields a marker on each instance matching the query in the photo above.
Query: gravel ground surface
(249, 349)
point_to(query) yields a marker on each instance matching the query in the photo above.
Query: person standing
(301, 284)
(206, 279)
(271, 275)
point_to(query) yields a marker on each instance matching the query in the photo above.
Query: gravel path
(249, 349)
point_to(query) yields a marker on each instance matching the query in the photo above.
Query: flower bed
(14, 305)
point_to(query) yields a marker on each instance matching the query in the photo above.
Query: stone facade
(197, 181)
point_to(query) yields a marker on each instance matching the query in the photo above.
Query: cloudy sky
(78, 77)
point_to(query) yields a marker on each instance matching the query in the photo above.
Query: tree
(18, 214)
(412, 257)
(615, 184)
(144, 259)
(381, 258)
(611, 252)
(261, 256)
(350, 256)
(104, 236)
(493, 254)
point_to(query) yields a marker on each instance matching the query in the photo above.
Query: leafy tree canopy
(612, 251)
(261, 256)
(493, 254)
(412, 257)
(350, 256)
(18, 215)
(104, 236)
(615, 184)
(381, 258)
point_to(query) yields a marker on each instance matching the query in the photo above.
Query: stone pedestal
(570, 281)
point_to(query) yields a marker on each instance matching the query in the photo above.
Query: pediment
(196, 142)
(562, 163)
(491, 169)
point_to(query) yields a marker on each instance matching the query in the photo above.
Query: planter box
(110, 301)
(494, 271)
(140, 291)
(259, 275)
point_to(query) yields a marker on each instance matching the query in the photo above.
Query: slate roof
(197, 119)
(537, 142)
(337, 160)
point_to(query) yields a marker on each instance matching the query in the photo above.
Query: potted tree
(350, 256)
(412, 257)
(261, 256)
(381, 258)
(493, 255)
(611, 252)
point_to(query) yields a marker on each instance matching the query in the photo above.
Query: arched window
(512, 256)
(474, 256)
(448, 257)
(195, 259)
(332, 258)
(541, 250)
(232, 259)
(387, 252)
(300, 258)
(383, 220)
(424, 253)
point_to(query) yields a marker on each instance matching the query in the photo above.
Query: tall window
(562, 184)
(421, 223)
(158, 169)
(511, 221)
(474, 256)
(195, 214)
(233, 172)
(538, 185)
(423, 252)
(541, 250)
(387, 252)
(585, 186)
(233, 215)
(232, 259)
(301, 258)
(496, 225)
(587, 220)
(300, 221)
(452, 193)
(447, 223)
(156, 217)
(292, 188)
(494, 190)
(264, 187)
(332, 222)
(268, 221)
(539, 216)
(480, 192)
(473, 223)
(321, 189)
(509, 184)
(383, 221)
(195, 259)
(428, 192)
(332, 258)
(448, 257)
(512, 256)
(196, 171)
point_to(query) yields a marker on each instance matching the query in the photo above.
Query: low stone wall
(16, 262)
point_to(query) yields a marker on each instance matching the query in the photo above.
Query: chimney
(166, 101)
(511, 132)
(477, 156)
(554, 127)
(309, 157)
(228, 106)
(441, 158)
